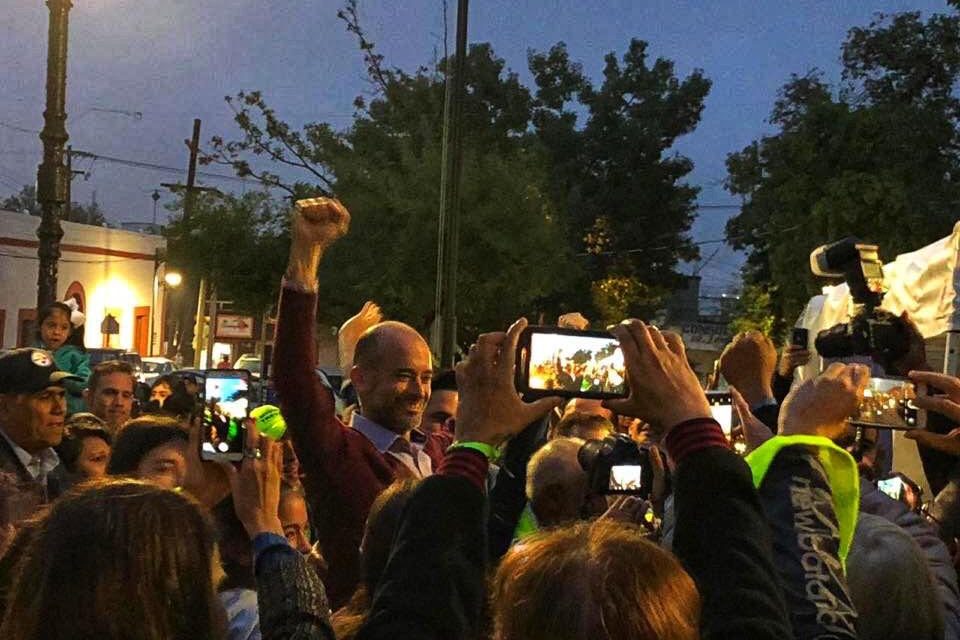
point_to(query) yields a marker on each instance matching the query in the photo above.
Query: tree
(615, 179)
(876, 158)
(23, 202)
(26, 202)
(528, 209)
(238, 243)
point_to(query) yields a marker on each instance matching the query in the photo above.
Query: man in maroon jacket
(346, 467)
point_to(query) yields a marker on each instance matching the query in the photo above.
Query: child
(60, 330)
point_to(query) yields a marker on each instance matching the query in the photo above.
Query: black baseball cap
(30, 371)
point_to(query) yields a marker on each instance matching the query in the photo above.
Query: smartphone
(721, 406)
(800, 338)
(626, 479)
(893, 487)
(888, 404)
(570, 363)
(226, 404)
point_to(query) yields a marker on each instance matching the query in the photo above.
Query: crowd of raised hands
(492, 531)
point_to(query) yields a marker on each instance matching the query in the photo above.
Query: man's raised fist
(319, 221)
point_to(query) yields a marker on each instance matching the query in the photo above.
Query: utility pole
(189, 315)
(444, 338)
(52, 177)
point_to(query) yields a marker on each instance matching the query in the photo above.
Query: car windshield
(250, 364)
(153, 367)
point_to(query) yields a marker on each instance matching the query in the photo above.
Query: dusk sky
(175, 60)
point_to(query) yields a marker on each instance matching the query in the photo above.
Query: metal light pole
(52, 174)
(445, 325)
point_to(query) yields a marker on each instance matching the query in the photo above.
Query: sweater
(344, 471)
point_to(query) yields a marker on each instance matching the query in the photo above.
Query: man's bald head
(383, 335)
(392, 369)
(556, 483)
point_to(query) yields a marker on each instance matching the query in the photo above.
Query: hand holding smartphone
(888, 403)
(570, 363)
(226, 404)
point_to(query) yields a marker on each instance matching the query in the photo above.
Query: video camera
(616, 464)
(871, 331)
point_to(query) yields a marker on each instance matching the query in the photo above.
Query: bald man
(346, 468)
(556, 483)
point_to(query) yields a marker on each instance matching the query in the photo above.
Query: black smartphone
(800, 338)
(226, 404)
(570, 363)
(721, 406)
(888, 404)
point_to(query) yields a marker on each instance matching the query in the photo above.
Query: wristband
(488, 450)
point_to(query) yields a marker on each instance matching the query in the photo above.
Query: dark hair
(75, 338)
(139, 437)
(381, 527)
(234, 541)
(75, 579)
(78, 428)
(167, 379)
(108, 367)
(444, 380)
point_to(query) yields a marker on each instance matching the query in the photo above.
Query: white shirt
(383, 439)
(38, 466)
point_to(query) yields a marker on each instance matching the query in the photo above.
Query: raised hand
(355, 327)
(574, 320)
(754, 431)
(821, 406)
(664, 390)
(256, 486)
(747, 363)
(490, 408)
(792, 358)
(315, 224)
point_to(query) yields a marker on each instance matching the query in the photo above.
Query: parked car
(154, 367)
(251, 362)
(132, 357)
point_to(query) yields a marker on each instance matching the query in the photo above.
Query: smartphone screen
(721, 406)
(572, 363)
(888, 404)
(893, 487)
(226, 403)
(626, 478)
(800, 338)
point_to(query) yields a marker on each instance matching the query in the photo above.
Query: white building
(109, 271)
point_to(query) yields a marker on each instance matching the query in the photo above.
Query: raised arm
(722, 536)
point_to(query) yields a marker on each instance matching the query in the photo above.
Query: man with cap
(32, 413)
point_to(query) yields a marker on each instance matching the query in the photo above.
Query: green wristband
(488, 450)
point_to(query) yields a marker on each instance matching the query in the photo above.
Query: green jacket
(76, 361)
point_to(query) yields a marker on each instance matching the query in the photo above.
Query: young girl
(60, 330)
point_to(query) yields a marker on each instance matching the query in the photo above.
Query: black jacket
(723, 539)
(799, 505)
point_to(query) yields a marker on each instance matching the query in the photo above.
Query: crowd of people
(414, 503)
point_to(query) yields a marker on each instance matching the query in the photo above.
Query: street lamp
(173, 278)
(52, 178)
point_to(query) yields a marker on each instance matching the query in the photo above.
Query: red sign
(234, 327)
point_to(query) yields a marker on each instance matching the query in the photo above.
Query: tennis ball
(269, 421)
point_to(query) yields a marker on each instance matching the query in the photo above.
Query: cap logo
(41, 358)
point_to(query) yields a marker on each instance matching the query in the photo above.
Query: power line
(154, 167)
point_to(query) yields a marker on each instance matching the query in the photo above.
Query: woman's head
(54, 328)
(162, 388)
(117, 559)
(593, 580)
(85, 448)
(151, 448)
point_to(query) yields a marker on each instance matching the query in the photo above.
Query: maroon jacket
(344, 472)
